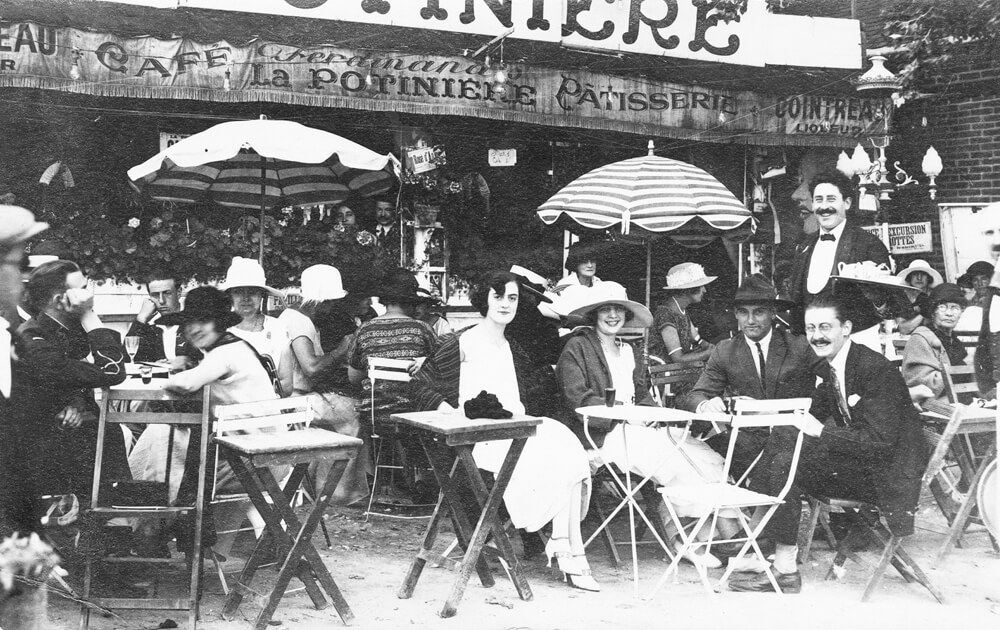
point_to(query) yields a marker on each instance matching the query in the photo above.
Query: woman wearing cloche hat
(933, 347)
(673, 337)
(593, 361)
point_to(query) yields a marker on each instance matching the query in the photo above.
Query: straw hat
(532, 282)
(687, 276)
(202, 304)
(247, 272)
(868, 272)
(322, 282)
(924, 266)
(18, 225)
(757, 290)
(607, 293)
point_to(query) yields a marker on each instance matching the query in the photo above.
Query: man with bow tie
(819, 255)
(863, 441)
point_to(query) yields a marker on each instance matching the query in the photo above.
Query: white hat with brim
(17, 225)
(531, 278)
(869, 273)
(924, 266)
(607, 293)
(247, 272)
(687, 276)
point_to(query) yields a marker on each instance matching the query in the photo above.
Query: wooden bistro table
(251, 457)
(650, 416)
(448, 439)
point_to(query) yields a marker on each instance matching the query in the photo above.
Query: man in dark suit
(734, 367)
(387, 227)
(869, 445)
(156, 342)
(819, 255)
(52, 347)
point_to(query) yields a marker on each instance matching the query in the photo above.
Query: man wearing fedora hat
(838, 241)
(760, 362)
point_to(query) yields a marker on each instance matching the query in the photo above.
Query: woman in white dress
(551, 482)
(593, 360)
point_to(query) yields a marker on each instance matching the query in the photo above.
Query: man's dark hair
(492, 281)
(46, 281)
(838, 179)
(160, 273)
(829, 300)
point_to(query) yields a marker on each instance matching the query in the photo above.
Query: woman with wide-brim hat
(874, 294)
(920, 275)
(237, 375)
(594, 360)
(247, 288)
(672, 336)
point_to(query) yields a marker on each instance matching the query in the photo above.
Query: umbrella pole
(263, 201)
(649, 270)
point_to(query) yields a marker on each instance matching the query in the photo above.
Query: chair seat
(721, 495)
(289, 441)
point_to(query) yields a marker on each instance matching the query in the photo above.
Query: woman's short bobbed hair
(491, 281)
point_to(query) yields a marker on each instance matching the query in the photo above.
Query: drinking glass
(131, 346)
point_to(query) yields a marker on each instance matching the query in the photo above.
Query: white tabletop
(640, 413)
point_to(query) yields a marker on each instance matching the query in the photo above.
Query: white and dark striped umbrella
(655, 194)
(263, 164)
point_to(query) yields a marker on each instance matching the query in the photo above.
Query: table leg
(446, 470)
(959, 524)
(486, 522)
(272, 519)
(499, 535)
(303, 547)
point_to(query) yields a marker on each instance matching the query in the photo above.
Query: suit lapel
(844, 247)
(851, 367)
(747, 365)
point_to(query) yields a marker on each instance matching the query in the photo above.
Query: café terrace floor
(369, 559)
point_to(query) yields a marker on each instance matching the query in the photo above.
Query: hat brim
(777, 303)
(885, 284)
(225, 320)
(266, 289)
(935, 276)
(532, 290)
(640, 314)
(691, 285)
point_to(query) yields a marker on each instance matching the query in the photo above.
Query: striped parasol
(263, 164)
(656, 194)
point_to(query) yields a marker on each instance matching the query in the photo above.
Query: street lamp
(873, 173)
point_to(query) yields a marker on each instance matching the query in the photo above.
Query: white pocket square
(853, 399)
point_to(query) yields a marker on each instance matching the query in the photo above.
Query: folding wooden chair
(724, 495)
(664, 378)
(962, 422)
(100, 511)
(385, 433)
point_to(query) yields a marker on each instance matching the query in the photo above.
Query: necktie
(845, 413)
(827, 237)
(760, 355)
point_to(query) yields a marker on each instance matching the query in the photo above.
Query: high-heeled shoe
(703, 559)
(574, 568)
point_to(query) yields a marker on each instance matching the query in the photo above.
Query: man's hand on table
(712, 405)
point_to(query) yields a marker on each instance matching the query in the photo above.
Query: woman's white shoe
(705, 560)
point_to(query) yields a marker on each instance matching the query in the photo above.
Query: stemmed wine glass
(131, 346)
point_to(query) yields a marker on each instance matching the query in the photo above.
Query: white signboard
(503, 157)
(168, 139)
(672, 28)
(968, 234)
(904, 238)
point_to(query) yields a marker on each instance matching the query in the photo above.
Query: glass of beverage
(131, 346)
(609, 396)
(146, 372)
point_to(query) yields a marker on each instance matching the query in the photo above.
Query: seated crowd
(864, 437)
